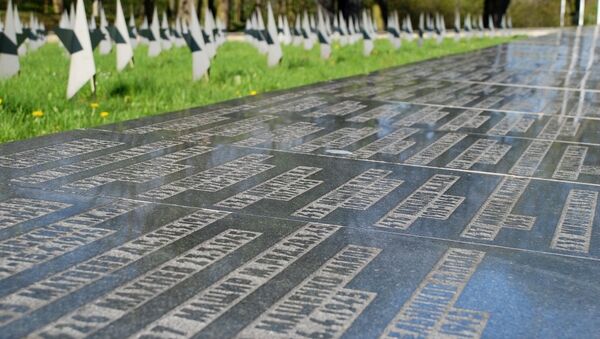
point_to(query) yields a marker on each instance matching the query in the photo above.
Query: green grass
(162, 84)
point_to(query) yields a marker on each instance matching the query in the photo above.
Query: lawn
(34, 103)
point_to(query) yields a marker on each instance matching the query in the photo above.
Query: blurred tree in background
(525, 13)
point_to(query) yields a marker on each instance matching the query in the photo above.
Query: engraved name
(125, 299)
(283, 187)
(428, 201)
(50, 241)
(56, 152)
(319, 306)
(359, 193)
(195, 314)
(574, 230)
(439, 147)
(216, 178)
(44, 292)
(495, 213)
(17, 210)
(430, 310)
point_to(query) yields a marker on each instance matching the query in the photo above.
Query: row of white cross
(324, 29)
(17, 38)
(202, 41)
(81, 37)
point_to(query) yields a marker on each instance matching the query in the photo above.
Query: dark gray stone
(455, 197)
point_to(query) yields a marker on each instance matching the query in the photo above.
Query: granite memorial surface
(453, 198)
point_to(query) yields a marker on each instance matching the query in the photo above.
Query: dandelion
(1, 101)
(94, 105)
(104, 115)
(253, 92)
(37, 114)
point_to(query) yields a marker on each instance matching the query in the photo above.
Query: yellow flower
(37, 114)
(103, 114)
(94, 105)
(1, 101)
(253, 92)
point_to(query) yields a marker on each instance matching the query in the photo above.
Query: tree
(574, 5)
(58, 6)
(349, 8)
(496, 9)
(223, 11)
(383, 4)
(149, 9)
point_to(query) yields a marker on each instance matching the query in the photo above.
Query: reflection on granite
(452, 198)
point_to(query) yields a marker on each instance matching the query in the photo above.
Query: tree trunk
(383, 5)
(496, 9)
(171, 9)
(223, 11)
(149, 9)
(185, 7)
(575, 12)
(329, 5)
(349, 8)
(58, 6)
(236, 19)
(212, 6)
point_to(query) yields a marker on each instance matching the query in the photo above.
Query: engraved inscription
(428, 115)
(56, 152)
(283, 187)
(239, 127)
(495, 213)
(364, 91)
(283, 134)
(574, 229)
(430, 310)
(529, 161)
(428, 201)
(17, 210)
(440, 146)
(359, 193)
(94, 163)
(555, 127)
(339, 109)
(570, 163)
(483, 151)
(43, 292)
(214, 179)
(393, 143)
(336, 139)
(490, 101)
(143, 171)
(467, 119)
(319, 306)
(125, 299)
(508, 124)
(50, 241)
(182, 124)
(296, 106)
(204, 308)
(380, 113)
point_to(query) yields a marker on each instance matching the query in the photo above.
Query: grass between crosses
(34, 103)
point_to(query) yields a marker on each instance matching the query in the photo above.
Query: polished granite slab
(456, 197)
